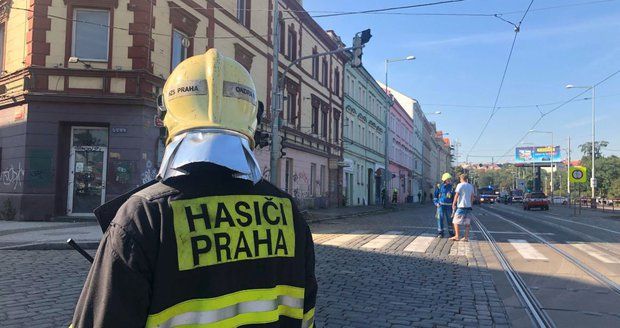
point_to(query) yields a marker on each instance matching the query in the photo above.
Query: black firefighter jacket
(201, 250)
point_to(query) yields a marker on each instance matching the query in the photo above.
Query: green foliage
(586, 148)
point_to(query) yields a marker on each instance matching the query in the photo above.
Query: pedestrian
(209, 243)
(395, 196)
(419, 197)
(424, 198)
(443, 197)
(383, 196)
(462, 207)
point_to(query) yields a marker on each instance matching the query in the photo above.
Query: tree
(586, 148)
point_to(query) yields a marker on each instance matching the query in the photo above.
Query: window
(292, 44)
(1, 47)
(337, 82)
(180, 44)
(325, 73)
(282, 35)
(243, 12)
(312, 179)
(291, 107)
(315, 120)
(322, 179)
(324, 123)
(336, 127)
(91, 41)
(315, 65)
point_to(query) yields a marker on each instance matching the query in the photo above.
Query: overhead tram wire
(517, 28)
(428, 4)
(543, 115)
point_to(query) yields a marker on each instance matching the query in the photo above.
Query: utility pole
(275, 99)
(568, 170)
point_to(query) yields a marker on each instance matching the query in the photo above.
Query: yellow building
(78, 120)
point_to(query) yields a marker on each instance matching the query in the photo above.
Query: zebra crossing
(420, 243)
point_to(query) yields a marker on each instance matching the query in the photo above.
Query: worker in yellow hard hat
(443, 197)
(209, 243)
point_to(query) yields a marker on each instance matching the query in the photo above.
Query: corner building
(78, 118)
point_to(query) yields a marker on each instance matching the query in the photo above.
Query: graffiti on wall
(150, 173)
(13, 176)
(301, 185)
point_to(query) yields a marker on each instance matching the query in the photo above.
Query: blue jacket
(444, 195)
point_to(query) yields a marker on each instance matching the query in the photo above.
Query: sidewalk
(53, 235)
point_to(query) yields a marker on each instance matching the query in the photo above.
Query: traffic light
(360, 39)
(261, 139)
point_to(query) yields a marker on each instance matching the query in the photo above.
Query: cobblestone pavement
(379, 271)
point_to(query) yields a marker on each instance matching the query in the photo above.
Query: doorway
(87, 169)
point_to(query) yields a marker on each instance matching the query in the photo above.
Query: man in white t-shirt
(462, 207)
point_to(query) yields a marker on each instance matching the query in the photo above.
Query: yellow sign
(221, 229)
(578, 174)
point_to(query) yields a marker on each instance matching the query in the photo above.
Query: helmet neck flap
(217, 146)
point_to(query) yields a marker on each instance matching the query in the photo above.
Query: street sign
(578, 174)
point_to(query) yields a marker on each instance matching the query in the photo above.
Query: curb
(49, 246)
(354, 215)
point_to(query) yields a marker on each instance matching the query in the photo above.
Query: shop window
(91, 34)
(180, 45)
(312, 179)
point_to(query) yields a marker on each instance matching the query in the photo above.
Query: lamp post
(593, 179)
(387, 130)
(552, 154)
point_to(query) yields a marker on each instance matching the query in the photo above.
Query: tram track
(602, 279)
(531, 304)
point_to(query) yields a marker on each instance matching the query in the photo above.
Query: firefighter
(443, 197)
(209, 243)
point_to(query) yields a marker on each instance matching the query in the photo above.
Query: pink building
(401, 152)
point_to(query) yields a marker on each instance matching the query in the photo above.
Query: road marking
(420, 244)
(461, 249)
(596, 253)
(343, 239)
(382, 240)
(526, 250)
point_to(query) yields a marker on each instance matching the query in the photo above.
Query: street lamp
(593, 179)
(552, 154)
(387, 129)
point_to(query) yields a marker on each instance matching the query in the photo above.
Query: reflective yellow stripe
(232, 310)
(308, 319)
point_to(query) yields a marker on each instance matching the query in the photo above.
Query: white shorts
(463, 216)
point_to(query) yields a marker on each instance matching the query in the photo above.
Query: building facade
(78, 118)
(401, 152)
(365, 106)
(414, 111)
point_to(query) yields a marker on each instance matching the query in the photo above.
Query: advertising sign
(542, 154)
(577, 174)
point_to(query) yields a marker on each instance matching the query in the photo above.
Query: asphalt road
(575, 278)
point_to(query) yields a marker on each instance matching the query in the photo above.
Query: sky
(460, 60)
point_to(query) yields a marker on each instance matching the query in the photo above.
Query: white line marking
(343, 239)
(596, 253)
(382, 240)
(420, 244)
(526, 250)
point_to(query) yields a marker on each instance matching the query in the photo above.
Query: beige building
(78, 121)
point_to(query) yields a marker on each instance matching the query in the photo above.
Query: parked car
(535, 199)
(517, 199)
(559, 200)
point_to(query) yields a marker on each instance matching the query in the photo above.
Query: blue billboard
(542, 154)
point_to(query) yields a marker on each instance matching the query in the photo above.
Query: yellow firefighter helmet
(210, 91)
(446, 176)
